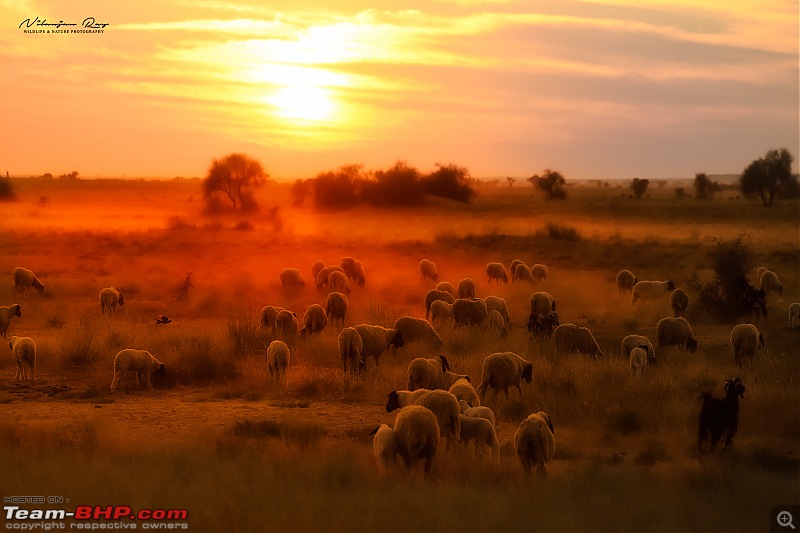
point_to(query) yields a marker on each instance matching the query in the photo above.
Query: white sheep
(570, 338)
(24, 279)
(441, 311)
(634, 341)
(745, 342)
(433, 295)
(314, 321)
(397, 399)
(480, 411)
(625, 281)
(495, 302)
(109, 298)
(431, 374)
(417, 431)
(497, 323)
(427, 270)
(542, 303)
(350, 346)
(376, 340)
(268, 315)
(6, 314)
(141, 362)
(539, 272)
(418, 330)
(466, 288)
(522, 272)
(462, 389)
(291, 278)
(496, 272)
(322, 276)
(446, 286)
(278, 356)
(502, 370)
(768, 282)
(535, 443)
(336, 307)
(469, 312)
(23, 350)
(448, 413)
(480, 432)
(675, 332)
(679, 301)
(316, 266)
(650, 290)
(794, 315)
(286, 326)
(338, 282)
(384, 446)
(638, 360)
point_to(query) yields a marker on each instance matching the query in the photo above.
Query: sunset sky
(595, 89)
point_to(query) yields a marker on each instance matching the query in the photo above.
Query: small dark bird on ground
(162, 320)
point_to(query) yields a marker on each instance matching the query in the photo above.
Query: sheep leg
(519, 389)
(115, 381)
(147, 380)
(541, 467)
(505, 391)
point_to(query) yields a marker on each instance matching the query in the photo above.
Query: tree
(704, 187)
(552, 183)
(680, 193)
(764, 176)
(234, 176)
(450, 181)
(639, 187)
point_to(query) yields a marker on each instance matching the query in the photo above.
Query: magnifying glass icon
(785, 519)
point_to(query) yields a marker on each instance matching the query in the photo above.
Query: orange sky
(596, 89)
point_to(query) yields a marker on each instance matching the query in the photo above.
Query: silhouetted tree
(450, 181)
(300, 190)
(338, 189)
(7, 193)
(764, 176)
(398, 185)
(705, 188)
(234, 177)
(680, 193)
(552, 183)
(639, 187)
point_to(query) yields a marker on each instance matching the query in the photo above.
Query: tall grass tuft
(243, 331)
(559, 232)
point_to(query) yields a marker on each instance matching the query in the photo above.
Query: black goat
(542, 326)
(753, 301)
(719, 416)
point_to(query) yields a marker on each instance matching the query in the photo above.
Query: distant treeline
(400, 185)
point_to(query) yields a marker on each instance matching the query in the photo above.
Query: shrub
(730, 260)
(7, 193)
(243, 331)
(451, 182)
(562, 233)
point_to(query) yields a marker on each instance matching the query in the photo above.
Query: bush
(7, 193)
(562, 233)
(451, 182)
(721, 297)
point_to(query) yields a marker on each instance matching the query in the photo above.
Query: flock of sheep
(439, 403)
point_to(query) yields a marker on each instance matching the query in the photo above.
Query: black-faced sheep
(495, 302)
(384, 446)
(338, 282)
(469, 312)
(24, 279)
(521, 272)
(496, 272)
(446, 286)
(417, 432)
(397, 399)
(109, 298)
(427, 270)
(6, 314)
(675, 332)
(336, 307)
(768, 282)
(376, 340)
(481, 433)
(418, 330)
(314, 321)
(350, 346)
(291, 278)
(431, 374)
(539, 272)
(141, 362)
(433, 295)
(268, 315)
(23, 350)
(794, 315)
(466, 288)
(503, 370)
(278, 356)
(625, 281)
(535, 443)
(542, 303)
(679, 301)
(570, 338)
(719, 417)
(650, 290)
(635, 341)
(745, 342)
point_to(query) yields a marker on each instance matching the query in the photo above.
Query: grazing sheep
(502, 370)
(6, 314)
(513, 266)
(635, 341)
(23, 350)
(291, 278)
(650, 290)
(466, 288)
(448, 413)
(316, 266)
(322, 276)
(446, 286)
(338, 282)
(521, 272)
(427, 270)
(336, 307)
(24, 279)
(418, 330)
(675, 332)
(278, 361)
(495, 302)
(431, 374)
(350, 346)
(542, 303)
(480, 411)
(470, 312)
(638, 360)
(571, 338)
(759, 271)
(542, 326)
(286, 326)
(535, 443)
(314, 321)
(384, 446)
(768, 282)
(745, 342)
(679, 301)
(417, 432)
(268, 315)
(480, 432)
(719, 417)
(433, 295)
(354, 270)
(497, 323)
(794, 315)
(625, 281)
(376, 340)
(109, 298)
(462, 389)
(141, 362)
(539, 272)
(441, 311)
(398, 399)
(753, 301)
(494, 271)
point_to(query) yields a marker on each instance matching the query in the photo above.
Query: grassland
(243, 455)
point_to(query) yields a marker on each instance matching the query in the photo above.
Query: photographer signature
(88, 22)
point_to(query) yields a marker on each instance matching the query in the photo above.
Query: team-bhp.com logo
(95, 517)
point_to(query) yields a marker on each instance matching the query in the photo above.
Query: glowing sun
(303, 102)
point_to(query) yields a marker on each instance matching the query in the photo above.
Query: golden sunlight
(304, 102)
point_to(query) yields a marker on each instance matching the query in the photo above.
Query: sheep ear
(374, 430)
(761, 340)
